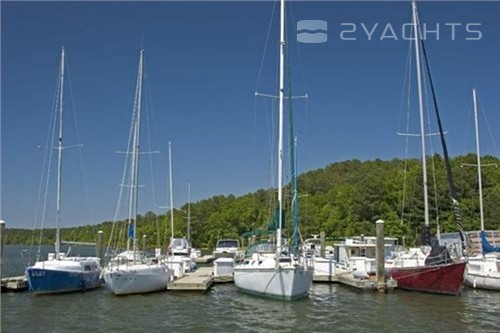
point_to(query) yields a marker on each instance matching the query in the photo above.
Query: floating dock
(223, 279)
(15, 283)
(325, 278)
(199, 280)
(347, 278)
(364, 284)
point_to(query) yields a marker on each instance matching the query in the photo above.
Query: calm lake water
(329, 308)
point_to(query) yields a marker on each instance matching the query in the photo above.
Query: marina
(354, 267)
(212, 272)
(223, 308)
(298, 220)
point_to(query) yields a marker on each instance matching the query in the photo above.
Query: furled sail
(486, 246)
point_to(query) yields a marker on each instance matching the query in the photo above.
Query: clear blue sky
(203, 61)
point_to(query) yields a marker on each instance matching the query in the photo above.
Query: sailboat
(433, 271)
(178, 259)
(130, 272)
(483, 271)
(195, 252)
(60, 272)
(276, 272)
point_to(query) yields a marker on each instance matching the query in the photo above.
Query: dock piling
(322, 238)
(2, 234)
(99, 249)
(144, 243)
(381, 286)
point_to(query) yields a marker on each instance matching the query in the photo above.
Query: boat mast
(449, 174)
(476, 122)
(293, 162)
(59, 155)
(189, 213)
(421, 109)
(134, 170)
(280, 134)
(170, 189)
(295, 196)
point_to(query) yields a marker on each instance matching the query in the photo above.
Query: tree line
(343, 199)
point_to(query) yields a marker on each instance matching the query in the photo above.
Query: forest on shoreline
(343, 199)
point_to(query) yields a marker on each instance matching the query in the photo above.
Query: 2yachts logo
(377, 31)
(314, 31)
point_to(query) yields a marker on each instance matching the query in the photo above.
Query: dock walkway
(364, 284)
(199, 280)
(15, 283)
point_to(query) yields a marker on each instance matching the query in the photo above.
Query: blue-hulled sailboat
(61, 273)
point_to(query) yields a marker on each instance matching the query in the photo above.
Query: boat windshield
(228, 243)
(179, 243)
(259, 248)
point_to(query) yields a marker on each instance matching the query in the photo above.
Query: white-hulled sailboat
(178, 257)
(483, 270)
(130, 272)
(274, 271)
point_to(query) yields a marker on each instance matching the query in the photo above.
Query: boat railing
(124, 260)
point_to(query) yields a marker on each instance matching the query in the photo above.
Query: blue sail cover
(130, 231)
(486, 246)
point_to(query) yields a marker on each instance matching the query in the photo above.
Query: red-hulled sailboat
(442, 279)
(419, 269)
(413, 271)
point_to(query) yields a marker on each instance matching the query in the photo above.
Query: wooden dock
(364, 284)
(223, 279)
(325, 278)
(199, 280)
(15, 283)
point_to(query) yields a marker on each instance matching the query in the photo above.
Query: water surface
(329, 308)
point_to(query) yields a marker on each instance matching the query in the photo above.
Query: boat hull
(136, 279)
(50, 280)
(283, 282)
(439, 279)
(483, 273)
(483, 280)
